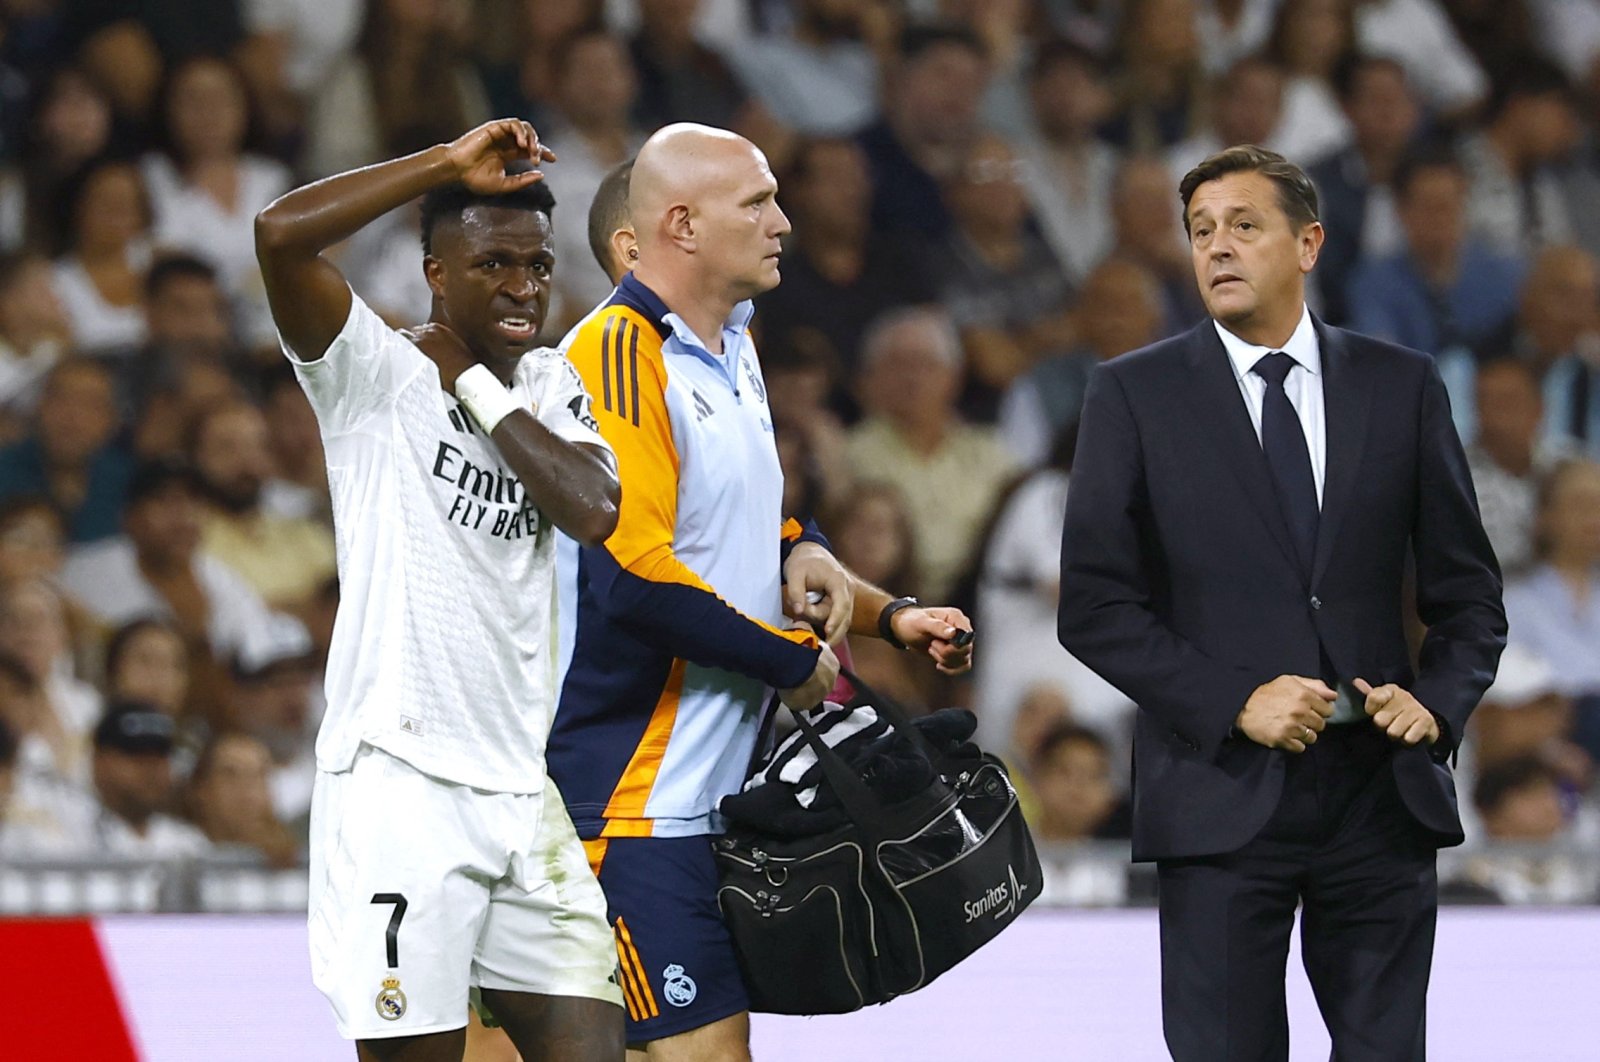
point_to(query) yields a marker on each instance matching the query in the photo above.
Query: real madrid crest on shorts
(391, 1002)
(680, 987)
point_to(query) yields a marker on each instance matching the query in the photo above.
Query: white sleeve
(564, 406)
(361, 373)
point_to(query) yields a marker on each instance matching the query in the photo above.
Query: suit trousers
(1342, 846)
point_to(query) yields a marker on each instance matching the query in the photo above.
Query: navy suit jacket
(1179, 583)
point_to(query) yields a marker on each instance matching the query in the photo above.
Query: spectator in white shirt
(33, 629)
(595, 89)
(1310, 38)
(157, 569)
(133, 780)
(33, 335)
(1068, 169)
(1508, 459)
(1420, 36)
(231, 801)
(820, 79)
(1247, 109)
(272, 702)
(206, 188)
(100, 278)
(1531, 122)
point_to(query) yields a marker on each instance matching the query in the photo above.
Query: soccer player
(672, 630)
(442, 859)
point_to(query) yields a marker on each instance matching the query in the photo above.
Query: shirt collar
(1302, 347)
(633, 292)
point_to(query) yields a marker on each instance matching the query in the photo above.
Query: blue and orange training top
(672, 630)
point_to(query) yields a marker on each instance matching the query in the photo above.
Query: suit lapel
(1346, 402)
(1221, 416)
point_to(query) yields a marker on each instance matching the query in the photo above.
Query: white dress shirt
(1303, 386)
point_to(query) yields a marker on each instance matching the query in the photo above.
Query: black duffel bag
(886, 903)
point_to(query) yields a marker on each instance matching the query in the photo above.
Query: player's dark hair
(449, 202)
(609, 212)
(170, 267)
(1296, 194)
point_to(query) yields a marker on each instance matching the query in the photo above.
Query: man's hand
(818, 686)
(481, 156)
(445, 349)
(1398, 714)
(945, 634)
(810, 568)
(1287, 713)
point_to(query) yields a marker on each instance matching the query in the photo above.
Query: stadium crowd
(984, 205)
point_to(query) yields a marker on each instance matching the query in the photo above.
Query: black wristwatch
(885, 627)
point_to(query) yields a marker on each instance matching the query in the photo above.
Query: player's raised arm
(309, 297)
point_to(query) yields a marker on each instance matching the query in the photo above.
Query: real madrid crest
(680, 988)
(391, 1002)
(755, 381)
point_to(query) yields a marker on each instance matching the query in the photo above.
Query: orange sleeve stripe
(791, 530)
(620, 360)
(633, 789)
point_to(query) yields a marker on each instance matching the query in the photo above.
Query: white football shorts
(422, 889)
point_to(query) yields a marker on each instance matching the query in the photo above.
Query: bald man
(674, 629)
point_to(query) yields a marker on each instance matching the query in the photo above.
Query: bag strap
(894, 714)
(859, 802)
(769, 716)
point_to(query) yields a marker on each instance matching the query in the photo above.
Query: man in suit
(1243, 504)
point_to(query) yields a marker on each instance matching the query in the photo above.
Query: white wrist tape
(485, 397)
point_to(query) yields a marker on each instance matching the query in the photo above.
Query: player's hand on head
(445, 349)
(481, 156)
(810, 693)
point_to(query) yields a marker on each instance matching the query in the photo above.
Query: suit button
(1316, 602)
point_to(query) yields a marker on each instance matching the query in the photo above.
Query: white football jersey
(444, 646)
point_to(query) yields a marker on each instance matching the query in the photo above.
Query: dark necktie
(1288, 457)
